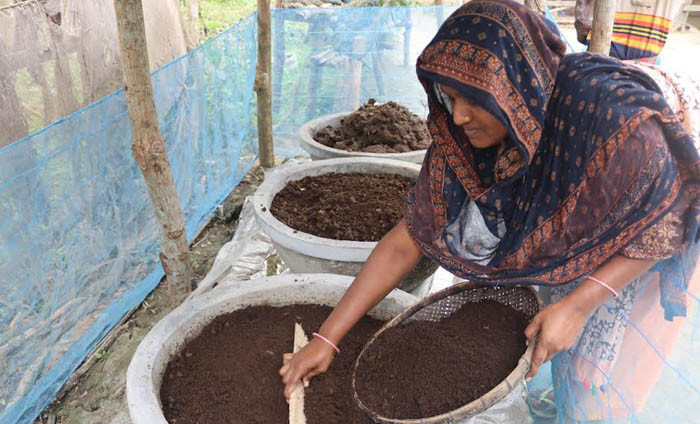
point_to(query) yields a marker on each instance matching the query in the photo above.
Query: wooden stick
(601, 33)
(263, 81)
(148, 146)
(296, 401)
(536, 5)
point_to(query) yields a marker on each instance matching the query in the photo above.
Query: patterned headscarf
(594, 158)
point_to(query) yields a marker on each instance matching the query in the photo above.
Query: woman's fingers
(313, 359)
(533, 328)
(292, 379)
(286, 357)
(283, 371)
(539, 356)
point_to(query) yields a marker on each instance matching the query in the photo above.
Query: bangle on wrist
(604, 284)
(330, 343)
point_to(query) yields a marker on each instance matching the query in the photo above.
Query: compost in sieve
(424, 368)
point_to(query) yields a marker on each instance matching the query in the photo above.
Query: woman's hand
(395, 255)
(312, 360)
(558, 325)
(554, 328)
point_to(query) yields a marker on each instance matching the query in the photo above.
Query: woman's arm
(395, 255)
(558, 325)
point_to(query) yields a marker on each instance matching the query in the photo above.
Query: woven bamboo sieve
(442, 304)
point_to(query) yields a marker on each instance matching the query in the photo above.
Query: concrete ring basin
(320, 151)
(306, 253)
(145, 373)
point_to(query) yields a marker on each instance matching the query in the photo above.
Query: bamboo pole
(358, 46)
(148, 146)
(191, 24)
(601, 32)
(439, 17)
(279, 53)
(536, 5)
(263, 86)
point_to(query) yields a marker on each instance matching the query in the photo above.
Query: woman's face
(483, 129)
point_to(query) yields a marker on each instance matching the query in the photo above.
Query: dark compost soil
(358, 207)
(423, 368)
(385, 128)
(229, 373)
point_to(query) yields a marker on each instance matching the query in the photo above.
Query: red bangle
(602, 283)
(327, 341)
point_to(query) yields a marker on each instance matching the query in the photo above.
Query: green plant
(218, 15)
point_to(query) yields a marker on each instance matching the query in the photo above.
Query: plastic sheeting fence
(78, 239)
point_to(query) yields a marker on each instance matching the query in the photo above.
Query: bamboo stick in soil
(148, 146)
(296, 400)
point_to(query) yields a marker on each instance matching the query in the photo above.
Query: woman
(568, 172)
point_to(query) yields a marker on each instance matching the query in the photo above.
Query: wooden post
(439, 12)
(263, 86)
(191, 27)
(536, 5)
(358, 46)
(279, 44)
(148, 146)
(601, 33)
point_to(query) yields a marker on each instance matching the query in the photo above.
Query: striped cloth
(638, 35)
(640, 27)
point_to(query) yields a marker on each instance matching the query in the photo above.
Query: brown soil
(229, 372)
(427, 368)
(385, 128)
(358, 207)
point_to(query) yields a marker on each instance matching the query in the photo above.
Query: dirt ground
(99, 395)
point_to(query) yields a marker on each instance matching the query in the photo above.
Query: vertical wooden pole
(191, 26)
(358, 47)
(316, 64)
(536, 5)
(279, 53)
(263, 86)
(601, 33)
(148, 146)
(439, 12)
(407, 38)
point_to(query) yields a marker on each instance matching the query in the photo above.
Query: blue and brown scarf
(594, 161)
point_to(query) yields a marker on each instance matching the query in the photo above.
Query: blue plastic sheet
(78, 238)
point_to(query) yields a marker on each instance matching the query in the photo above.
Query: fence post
(601, 32)
(536, 5)
(263, 86)
(148, 146)
(191, 26)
